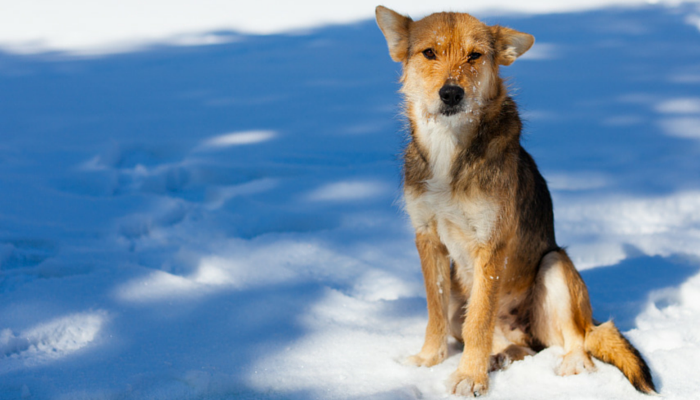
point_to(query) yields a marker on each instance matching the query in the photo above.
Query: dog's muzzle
(451, 96)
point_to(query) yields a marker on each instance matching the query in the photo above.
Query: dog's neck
(440, 140)
(438, 134)
(459, 127)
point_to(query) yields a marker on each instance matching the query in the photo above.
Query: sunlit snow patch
(684, 78)
(591, 255)
(238, 264)
(683, 105)
(578, 181)
(662, 226)
(49, 341)
(217, 196)
(668, 334)
(381, 285)
(694, 20)
(351, 351)
(157, 286)
(202, 39)
(348, 190)
(237, 139)
(688, 127)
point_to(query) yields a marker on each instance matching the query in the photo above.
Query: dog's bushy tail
(607, 344)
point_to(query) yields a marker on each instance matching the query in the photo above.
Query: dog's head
(450, 60)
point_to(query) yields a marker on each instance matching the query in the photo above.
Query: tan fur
(607, 344)
(478, 202)
(436, 274)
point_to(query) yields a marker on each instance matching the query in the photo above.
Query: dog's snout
(451, 95)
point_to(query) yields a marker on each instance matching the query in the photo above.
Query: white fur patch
(557, 301)
(461, 221)
(558, 298)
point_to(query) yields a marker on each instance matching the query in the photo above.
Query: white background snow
(201, 200)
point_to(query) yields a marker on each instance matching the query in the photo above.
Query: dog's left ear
(510, 44)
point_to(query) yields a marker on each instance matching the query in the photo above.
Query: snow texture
(217, 215)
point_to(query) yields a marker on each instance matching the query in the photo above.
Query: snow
(86, 27)
(197, 211)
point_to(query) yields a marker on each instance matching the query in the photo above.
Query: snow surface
(107, 26)
(222, 220)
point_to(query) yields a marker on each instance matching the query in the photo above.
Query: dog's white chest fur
(460, 219)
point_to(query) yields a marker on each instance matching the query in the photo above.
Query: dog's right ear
(510, 44)
(395, 27)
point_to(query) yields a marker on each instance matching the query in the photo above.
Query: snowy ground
(223, 221)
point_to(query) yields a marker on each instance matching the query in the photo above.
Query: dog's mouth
(449, 111)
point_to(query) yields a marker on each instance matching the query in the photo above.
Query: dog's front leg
(471, 377)
(435, 263)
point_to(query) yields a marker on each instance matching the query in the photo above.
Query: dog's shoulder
(490, 160)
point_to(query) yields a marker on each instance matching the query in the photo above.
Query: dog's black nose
(451, 95)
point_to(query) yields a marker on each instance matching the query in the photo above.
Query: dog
(494, 275)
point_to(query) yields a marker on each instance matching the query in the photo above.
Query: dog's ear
(395, 28)
(510, 44)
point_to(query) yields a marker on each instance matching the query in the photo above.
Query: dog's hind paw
(467, 386)
(499, 361)
(576, 362)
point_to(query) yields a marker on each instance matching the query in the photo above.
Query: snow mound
(49, 341)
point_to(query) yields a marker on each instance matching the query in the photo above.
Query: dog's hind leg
(504, 352)
(561, 311)
(435, 263)
(561, 315)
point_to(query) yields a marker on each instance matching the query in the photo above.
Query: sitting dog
(495, 277)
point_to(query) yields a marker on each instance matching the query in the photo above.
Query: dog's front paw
(467, 385)
(428, 358)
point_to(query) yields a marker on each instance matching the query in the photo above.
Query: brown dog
(483, 214)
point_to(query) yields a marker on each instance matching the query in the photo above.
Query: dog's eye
(474, 56)
(429, 54)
